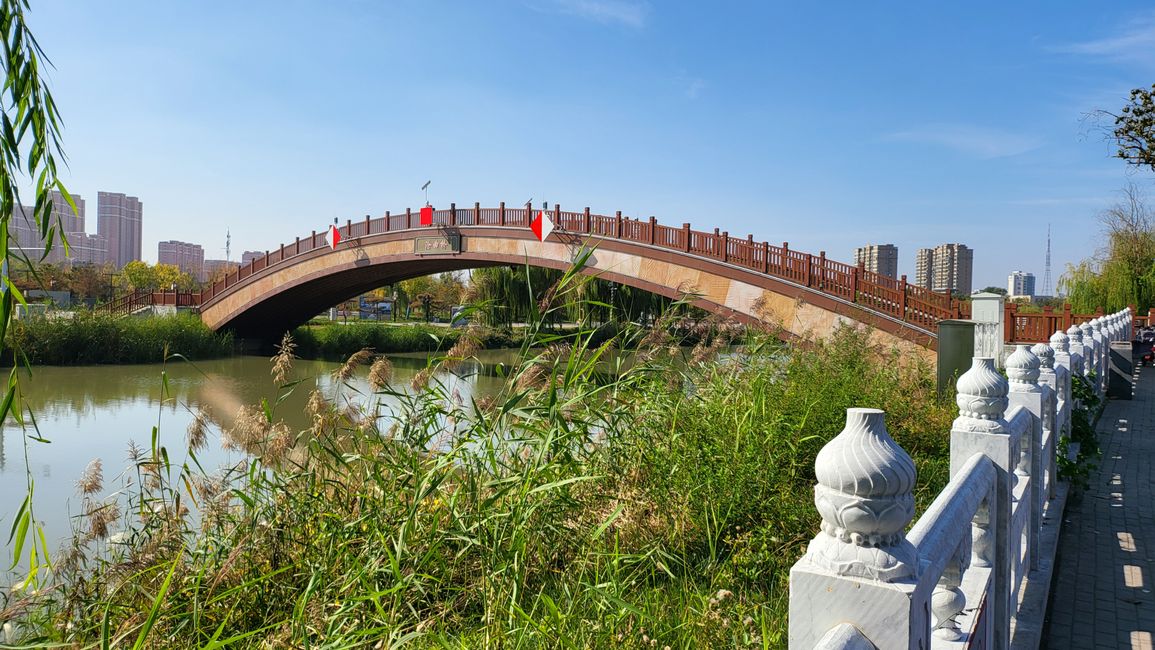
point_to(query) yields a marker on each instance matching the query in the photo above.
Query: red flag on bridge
(427, 215)
(333, 237)
(542, 226)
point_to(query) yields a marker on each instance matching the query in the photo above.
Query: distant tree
(999, 290)
(88, 282)
(1122, 273)
(138, 275)
(141, 275)
(1134, 129)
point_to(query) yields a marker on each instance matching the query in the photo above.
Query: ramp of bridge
(736, 276)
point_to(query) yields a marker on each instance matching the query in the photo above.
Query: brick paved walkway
(1105, 570)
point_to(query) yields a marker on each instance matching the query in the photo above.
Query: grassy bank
(660, 508)
(89, 338)
(334, 341)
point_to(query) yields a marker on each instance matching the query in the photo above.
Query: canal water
(94, 412)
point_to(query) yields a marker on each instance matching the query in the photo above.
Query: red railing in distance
(1037, 327)
(896, 298)
(141, 298)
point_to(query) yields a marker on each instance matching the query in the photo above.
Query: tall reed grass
(590, 503)
(90, 338)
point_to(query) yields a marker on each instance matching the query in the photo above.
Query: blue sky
(828, 125)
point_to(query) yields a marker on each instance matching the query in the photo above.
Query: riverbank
(88, 338)
(494, 522)
(336, 341)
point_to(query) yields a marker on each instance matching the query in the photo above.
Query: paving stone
(1097, 602)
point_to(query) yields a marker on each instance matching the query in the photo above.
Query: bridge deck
(1105, 570)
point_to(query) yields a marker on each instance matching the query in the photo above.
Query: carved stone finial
(1075, 334)
(865, 496)
(1060, 342)
(1045, 354)
(982, 398)
(1088, 330)
(1023, 370)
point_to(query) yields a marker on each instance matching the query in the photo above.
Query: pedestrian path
(1105, 569)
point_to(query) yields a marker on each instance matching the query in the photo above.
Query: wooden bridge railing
(899, 299)
(131, 302)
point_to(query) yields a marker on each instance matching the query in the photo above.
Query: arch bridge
(737, 277)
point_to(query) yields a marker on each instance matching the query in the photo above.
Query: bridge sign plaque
(447, 244)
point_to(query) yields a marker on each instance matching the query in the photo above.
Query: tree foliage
(1122, 273)
(142, 275)
(431, 292)
(85, 282)
(29, 151)
(507, 295)
(1134, 129)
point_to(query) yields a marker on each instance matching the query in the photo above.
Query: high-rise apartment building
(249, 256)
(189, 258)
(87, 249)
(945, 268)
(119, 220)
(924, 267)
(878, 258)
(1021, 283)
(26, 234)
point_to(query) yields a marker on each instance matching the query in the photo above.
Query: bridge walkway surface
(1105, 570)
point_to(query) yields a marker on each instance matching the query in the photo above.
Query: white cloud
(631, 13)
(694, 87)
(1135, 42)
(978, 141)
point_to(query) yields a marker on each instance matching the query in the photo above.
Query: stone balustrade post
(1049, 382)
(1103, 347)
(1075, 342)
(860, 570)
(987, 310)
(1092, 357)
(1023, 370)
(1060, 344)
(981, 427)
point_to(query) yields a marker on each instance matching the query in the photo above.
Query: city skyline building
(187, 257)
(945, 268)
(878, 258)
(923, 267)
(249, 256)
(84, 248)
(119, 219)
(1021, 283)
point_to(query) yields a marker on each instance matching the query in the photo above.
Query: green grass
(659, 504)
(90, 338)
(335, 341)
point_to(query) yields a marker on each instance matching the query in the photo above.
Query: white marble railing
(955, 580)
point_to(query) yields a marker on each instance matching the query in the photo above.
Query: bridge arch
(738, 277)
